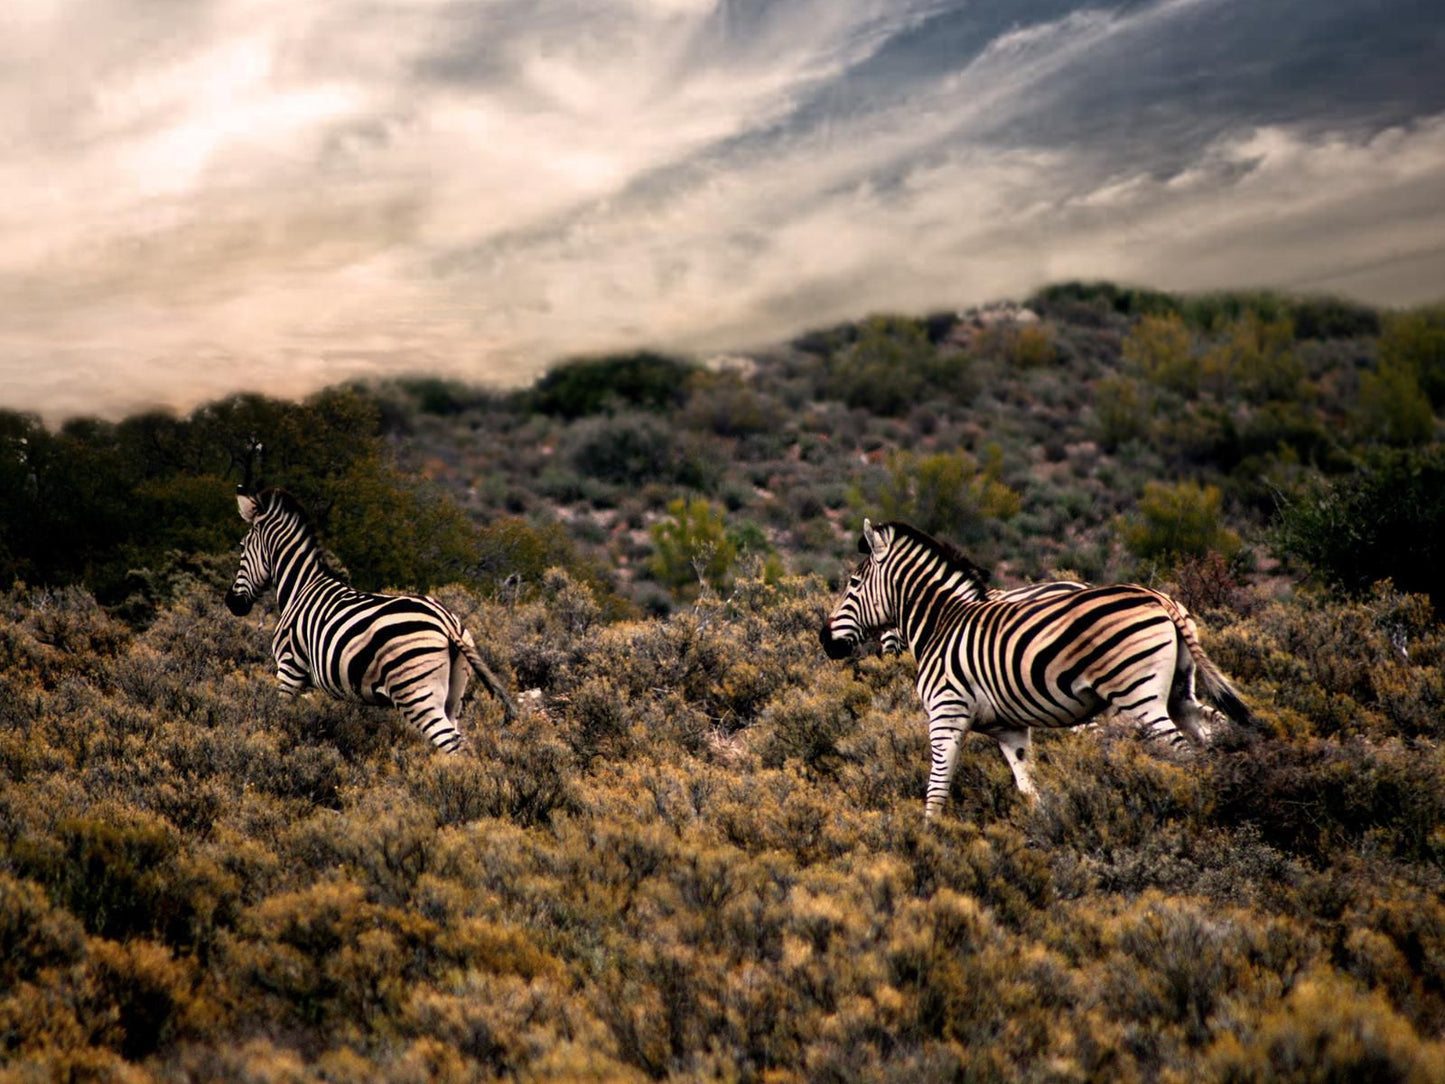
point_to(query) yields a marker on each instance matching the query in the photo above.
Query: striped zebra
(379, 649)
(891, 640)
(1003, 667)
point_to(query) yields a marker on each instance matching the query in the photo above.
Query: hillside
(701, 853)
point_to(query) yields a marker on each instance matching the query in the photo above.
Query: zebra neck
(298, 571)
(924, 597)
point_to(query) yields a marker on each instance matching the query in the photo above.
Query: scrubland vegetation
(701, 853)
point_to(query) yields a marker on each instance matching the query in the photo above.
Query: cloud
(255, 195)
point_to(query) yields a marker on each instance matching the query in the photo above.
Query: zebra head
(867, 604)
(254, 575)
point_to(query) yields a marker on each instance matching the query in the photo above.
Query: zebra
(891, 640)
(397, 650)
(1003, 667)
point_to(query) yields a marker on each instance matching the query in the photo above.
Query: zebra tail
(489, 679)
(1218, 688)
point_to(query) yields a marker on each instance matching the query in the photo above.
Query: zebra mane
(274, 497)
(953, 557)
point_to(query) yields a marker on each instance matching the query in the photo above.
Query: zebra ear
(246, 503)
(872, 542)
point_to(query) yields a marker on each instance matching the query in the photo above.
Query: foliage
(1178, 521)
(692, 546)
(701, 853)
(641, 381)
(1414, 342)
(1106, 296)
(947, 494)
(1255, 358)
(1380, 522)
(892, 365)
(631, 449)
(1123, 409)
(1161, 349)
(1393, 409)
(1032, 347)
(111, 504)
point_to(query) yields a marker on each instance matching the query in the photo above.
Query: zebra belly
(1002, 708)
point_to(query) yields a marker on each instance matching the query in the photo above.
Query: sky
(203, 197)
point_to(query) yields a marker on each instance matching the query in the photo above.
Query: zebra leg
(945, 735)
(423, 698)
(1184, 706)
(457, 685)
(291, 676)
(1017, 748)
(1145, 703)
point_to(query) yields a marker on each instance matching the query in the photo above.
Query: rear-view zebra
(1002, 667)
(405, 650)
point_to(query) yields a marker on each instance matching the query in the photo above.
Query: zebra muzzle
(238, 604)
(835, 647)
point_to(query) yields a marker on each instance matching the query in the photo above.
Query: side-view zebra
(1003, 667)
(891, 640)
(379, 649)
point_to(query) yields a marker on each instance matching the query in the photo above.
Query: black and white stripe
(1002, 666)
(379, 649)
(891, 642)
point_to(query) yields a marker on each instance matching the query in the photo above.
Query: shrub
(1178, 521)
(948, 493)
(892, 365)
(1380, 522)
(1392, 408)
(1325, 1029)
(1414, 342)
(1123, 410)
(642, 381)
(1162, 350)
(692, 546)
(1033, 347)
(632, 450)
(1257, 359)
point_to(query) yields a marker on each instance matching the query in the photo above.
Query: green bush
(1161, 349)
(642, 381)
(892, 366)
(1414, 342)
(1123, 410)
(692, 546)
(949, 494)
(1392, 408)
(1178, 521)
(1380, 522)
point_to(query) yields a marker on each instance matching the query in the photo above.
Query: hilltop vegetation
(701, 854)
